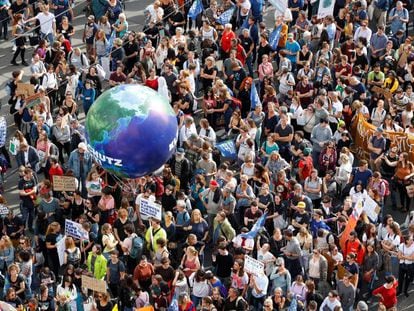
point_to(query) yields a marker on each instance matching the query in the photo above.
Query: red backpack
(387, 187)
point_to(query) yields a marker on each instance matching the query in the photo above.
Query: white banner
(253, 266)
(75, 230)
(150, 209)
(326, 7)
(60, 246)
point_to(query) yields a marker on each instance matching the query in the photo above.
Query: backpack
(387, 187)
(137, 247)
(336, 239)
(241, 304)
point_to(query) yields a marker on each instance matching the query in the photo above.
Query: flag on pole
(226, 16)
(274, 37)
(256, 228)
(352, 221)
(110, 42)
(257, 8)
(195, 9)
(254, 97)
(280, 5)
(227, 149)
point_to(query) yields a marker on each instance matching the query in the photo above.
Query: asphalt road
(135, 17)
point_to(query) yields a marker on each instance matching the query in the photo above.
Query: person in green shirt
(97, 263)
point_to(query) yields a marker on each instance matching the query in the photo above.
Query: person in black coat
(184, 174)
(28, 157)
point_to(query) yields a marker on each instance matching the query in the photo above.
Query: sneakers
(14, 63)
(24, 63)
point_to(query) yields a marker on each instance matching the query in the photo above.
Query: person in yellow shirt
(153, 233)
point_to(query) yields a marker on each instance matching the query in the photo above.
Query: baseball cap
(214, 183)
(180, 151)
(301, 204)
(91, 17)
(362, 306)
(380, 129)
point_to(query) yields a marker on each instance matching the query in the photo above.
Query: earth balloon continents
(131, 130)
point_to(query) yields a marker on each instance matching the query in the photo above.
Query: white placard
(60, 246)
(371, 208)
(253, 266)
(150, 209)
(75, 230)
(4, 210)
(326, 7)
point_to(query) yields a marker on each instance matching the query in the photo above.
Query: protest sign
(371, 208)
(150, 209)
(25, 89)
(93, 284)
(6, 307)
(60, 246)
(4, 210)
(75, 230)
(64, 183)
(253, 266)
(326, 8)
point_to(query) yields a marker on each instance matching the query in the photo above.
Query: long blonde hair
(52, 227)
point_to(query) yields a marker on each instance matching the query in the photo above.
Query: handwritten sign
(93, 284)
(150, 209)
(253, 266)
(64, 183)
(75, 230)
(25, 89)
(4, 210)
(371, 208)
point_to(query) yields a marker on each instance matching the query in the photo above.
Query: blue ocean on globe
(131, 130)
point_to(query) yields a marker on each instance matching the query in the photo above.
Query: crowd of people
(286, 96)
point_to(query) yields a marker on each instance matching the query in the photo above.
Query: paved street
(134, 12)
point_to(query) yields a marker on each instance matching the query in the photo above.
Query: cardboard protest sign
(25, 89)
(93, 284)
(64, 183)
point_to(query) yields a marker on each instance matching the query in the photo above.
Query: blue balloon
(131, 130)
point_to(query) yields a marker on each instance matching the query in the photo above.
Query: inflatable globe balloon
(131, 130)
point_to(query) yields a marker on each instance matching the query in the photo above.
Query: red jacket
(388, 295)
(226, 40)
(355, 247)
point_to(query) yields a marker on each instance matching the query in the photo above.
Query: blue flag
(227, 149)
(110, 43)
(274, 37)
(195, 9)
(254, 97)
(226, 16)
(257, 8)
(280, 5)
(256, 228)
(173, 305)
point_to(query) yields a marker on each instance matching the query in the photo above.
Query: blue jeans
(49, 37)
(196, 300)
(249, 63)
(28, 214)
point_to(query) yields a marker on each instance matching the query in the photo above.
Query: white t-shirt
(46, 22)
(262, 282)
(406, 251)
(265, 258)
